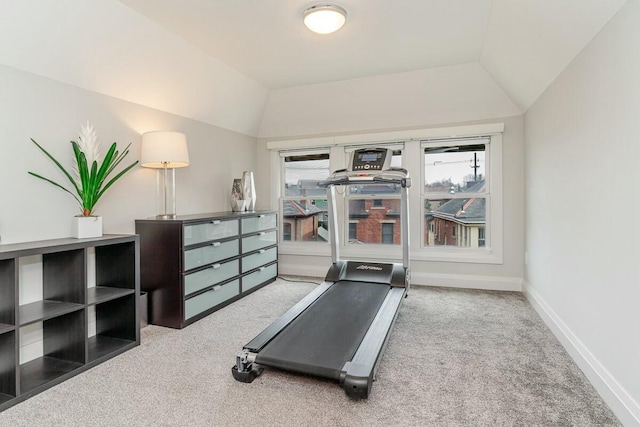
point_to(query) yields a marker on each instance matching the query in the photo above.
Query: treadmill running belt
(327, 334)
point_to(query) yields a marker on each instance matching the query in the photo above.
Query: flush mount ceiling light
(324, 18)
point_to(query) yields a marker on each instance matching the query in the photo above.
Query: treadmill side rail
(357, 375)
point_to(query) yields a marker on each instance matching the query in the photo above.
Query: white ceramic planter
(85, 227)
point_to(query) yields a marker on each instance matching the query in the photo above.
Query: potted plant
(90, 180)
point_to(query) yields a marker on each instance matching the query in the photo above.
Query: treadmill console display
(370, 159)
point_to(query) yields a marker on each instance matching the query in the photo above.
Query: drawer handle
(216, 288)
(215, 244)
(215, 266)
(261, 216)
(262, 233)
(216, 222)
(263, 268)
(261, 251)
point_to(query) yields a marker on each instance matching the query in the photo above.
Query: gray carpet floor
(455, 358)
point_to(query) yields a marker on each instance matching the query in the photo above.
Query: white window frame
(491, 253)
(293, 246)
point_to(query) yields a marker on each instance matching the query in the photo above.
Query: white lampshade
(324, 19)
(164, 149)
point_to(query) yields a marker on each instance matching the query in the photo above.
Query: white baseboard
(302, 270)
(621, 403)
(491, 283)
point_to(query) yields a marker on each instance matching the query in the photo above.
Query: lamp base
(166, 216)
(166, 193)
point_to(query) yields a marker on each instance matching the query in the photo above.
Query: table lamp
(165, 151)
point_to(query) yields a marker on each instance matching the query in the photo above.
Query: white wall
(418, 98)
(104, 46)
(52, 112)
(528, 42)
(582, 210)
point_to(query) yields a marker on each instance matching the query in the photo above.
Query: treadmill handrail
(391, 176)
(344, 177)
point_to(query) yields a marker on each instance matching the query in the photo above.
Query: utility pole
(475, 167)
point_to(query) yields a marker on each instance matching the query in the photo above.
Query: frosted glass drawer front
(209, 299)
(258, 223)
(254, 279)
(259, 241)
(212, 230)
(210, 276)
(261, 258)
(216, 251)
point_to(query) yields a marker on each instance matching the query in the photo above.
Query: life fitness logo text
(368, 267)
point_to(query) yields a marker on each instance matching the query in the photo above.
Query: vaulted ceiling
(251, 66)
(523, 44)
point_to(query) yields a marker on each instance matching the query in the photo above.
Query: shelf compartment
(6, 328)
(7, 291)
(102, 345)
(44, 310)
(63, 350)
(114, 328)
(63, 275)
(7, 367)
(43, 370)
(116, 265)
(100, 294)
(5, 398)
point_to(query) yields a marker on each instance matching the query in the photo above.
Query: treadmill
(339, 330)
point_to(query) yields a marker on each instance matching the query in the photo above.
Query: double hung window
(456, 193)
(373, 210)
(303, 200)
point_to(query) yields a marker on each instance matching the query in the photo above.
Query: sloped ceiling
(106, 47)
(523, 44)
(252, 67)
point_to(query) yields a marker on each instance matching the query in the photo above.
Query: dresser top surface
(208, 216)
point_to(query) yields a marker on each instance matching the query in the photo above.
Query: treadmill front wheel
(245, 370)
(245, 376)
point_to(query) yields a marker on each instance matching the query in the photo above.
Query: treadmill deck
(327, 334)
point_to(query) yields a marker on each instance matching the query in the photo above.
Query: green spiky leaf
(90, 186)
